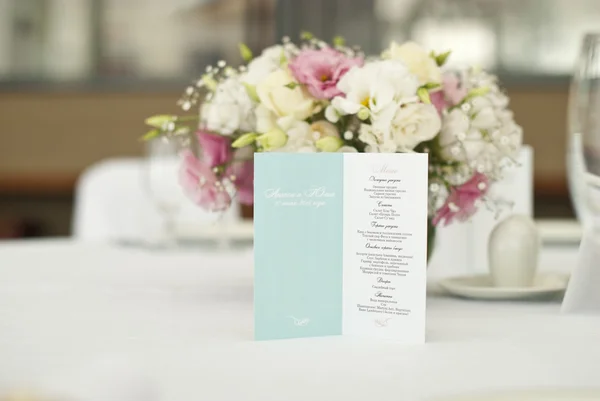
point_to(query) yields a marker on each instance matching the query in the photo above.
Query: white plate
(560, 231)
(532, 395)
(481, 287)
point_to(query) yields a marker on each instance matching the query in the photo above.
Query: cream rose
(414, 123)
(321, 129)
(266, 120)
(419, 62)
(283, 101)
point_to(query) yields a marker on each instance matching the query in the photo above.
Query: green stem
(431, 231)
(187, 118)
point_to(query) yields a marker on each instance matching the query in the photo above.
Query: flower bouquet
(328, 97)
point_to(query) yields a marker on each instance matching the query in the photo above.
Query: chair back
(111, 203)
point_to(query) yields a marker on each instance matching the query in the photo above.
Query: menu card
(340, 245)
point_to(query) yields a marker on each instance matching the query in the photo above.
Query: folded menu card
(340, 245)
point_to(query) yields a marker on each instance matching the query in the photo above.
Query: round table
(183, 321)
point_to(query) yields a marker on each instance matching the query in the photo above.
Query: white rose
(300, 139)
(376, 140)
(414, 123)
(283, 101)
(418, 61)
(230, 109)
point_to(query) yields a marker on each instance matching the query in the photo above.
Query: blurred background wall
(78, 77)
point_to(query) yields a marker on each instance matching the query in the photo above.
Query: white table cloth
(184, 320)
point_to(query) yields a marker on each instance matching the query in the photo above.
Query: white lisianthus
(414, 123)
(282, 100)
(375, 86)
(230, 109)
(419, 61)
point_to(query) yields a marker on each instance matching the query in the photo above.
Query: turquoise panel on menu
(298, 239)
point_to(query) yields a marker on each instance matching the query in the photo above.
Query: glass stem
(169, 231)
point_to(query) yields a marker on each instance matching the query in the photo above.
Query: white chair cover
(111, 204)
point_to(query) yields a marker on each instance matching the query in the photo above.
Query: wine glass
(583, 162)
(162, 184)
(577, 117)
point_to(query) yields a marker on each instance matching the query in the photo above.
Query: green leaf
(245, 140)
(160, 120)
(305, 35)
(292, 85)
(282, 58)
(251, 91)
(151, 134)
(209, 82)
(482, 90)
(441, 59)
(329, 144)
(431, 230)
(245, 52)
(431, 85)
(186, 118)
(274, 139)
(339, 41)
(182, 130)
(424, 95)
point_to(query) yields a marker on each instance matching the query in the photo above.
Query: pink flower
(439, 101)
(242, 169)
(461, 201)
(454, 89)
(201, 184)
(451, 93)
(216, 149)
(320, 70)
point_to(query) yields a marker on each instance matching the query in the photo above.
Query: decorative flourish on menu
(299, 322)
